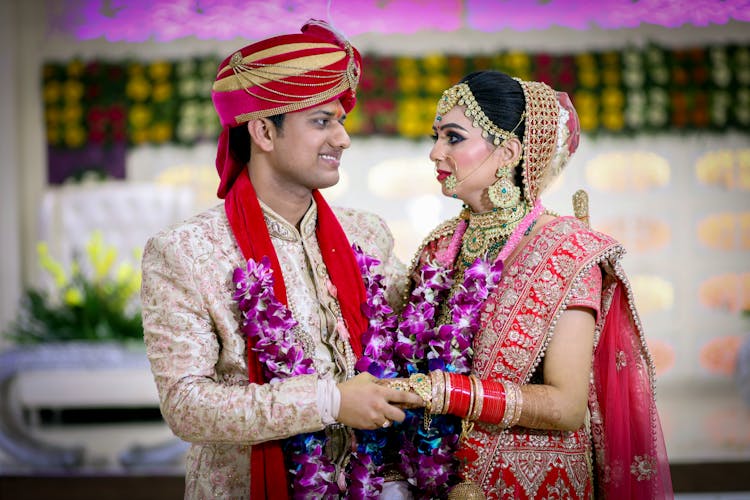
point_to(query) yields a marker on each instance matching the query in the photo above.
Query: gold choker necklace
(487, 232)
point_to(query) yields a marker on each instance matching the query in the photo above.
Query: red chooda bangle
(493, 408)
(460, 395)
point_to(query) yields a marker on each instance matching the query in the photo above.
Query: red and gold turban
(278, 75)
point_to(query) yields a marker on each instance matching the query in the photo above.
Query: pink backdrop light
(166, 20)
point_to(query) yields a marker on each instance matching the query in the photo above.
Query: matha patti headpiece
(461, 95)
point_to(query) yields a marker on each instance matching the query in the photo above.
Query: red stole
(267, 468)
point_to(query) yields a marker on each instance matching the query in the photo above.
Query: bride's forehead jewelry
(461, 95)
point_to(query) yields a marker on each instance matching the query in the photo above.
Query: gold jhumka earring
(504, 193)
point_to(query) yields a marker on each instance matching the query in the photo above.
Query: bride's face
(461, 150)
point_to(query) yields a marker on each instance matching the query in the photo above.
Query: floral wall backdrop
(95, 109)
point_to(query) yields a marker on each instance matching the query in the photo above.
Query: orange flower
(663, 355)
(719, 356)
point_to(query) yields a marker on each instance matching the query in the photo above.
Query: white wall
(10, 209)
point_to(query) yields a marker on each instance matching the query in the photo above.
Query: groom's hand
(366, 404)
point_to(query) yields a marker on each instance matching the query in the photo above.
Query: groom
(282, 103)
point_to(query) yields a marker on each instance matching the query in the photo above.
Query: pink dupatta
(631, 458)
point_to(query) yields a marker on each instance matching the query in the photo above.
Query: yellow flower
(135, 69)
(161, 132)
(409, 82)
(72, 113)
(162, 91)
(406, 64)
(588, 110)
(410, 127)
(612, 98)
(586, 59)
(435, 85)
(611, 77)
(75, 69)
(73, 297)
(140, 116)
(427, 112)
(410, 108)
(434, 62)
(73, 90)
(160, 70)
(518, 62)
(75, 136)
(129, 279)
(585, 101)
(613, 120)
(110, 298)
(101, 256)
(411, 122)
(589, 78)
(138, 89)
(51, 92)
(139, 136)
(53, 267)
(589, 121)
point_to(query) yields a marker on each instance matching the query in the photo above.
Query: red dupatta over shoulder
(267, 468)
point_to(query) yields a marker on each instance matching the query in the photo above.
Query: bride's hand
(401, 384)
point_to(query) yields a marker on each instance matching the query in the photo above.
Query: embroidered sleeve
(197, 354)
(588, 291)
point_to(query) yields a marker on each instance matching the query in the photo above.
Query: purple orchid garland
(270, 324)
(392, 348)
(427, 458)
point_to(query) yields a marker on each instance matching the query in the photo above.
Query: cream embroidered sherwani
(197, 351)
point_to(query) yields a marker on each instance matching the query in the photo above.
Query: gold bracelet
(472, 398)
(519, 407)
(421, 384)
(395, 383)
(437, 378)
(478, 397)
(447, 400)
(510, 404)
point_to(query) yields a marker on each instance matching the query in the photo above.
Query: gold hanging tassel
(581, 206)
(466, 490)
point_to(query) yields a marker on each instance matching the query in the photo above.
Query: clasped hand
(368, 403)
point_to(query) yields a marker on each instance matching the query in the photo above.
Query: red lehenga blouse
(620, 452)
